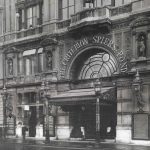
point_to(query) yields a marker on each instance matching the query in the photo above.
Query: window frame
(32, 15)
(40, 60)
(31, 65)
(36, 19)
(61, 8)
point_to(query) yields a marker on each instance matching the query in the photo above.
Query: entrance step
(109, 141)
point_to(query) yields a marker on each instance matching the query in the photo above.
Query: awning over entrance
(80, 96)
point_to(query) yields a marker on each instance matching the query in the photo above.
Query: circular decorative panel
(99, 65)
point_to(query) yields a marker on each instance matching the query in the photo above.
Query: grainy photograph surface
(74, 74)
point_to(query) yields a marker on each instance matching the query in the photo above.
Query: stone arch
(103, 60)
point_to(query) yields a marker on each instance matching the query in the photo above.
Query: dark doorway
(108, 121)
(83, 116)
(89, 121)
(32, 121)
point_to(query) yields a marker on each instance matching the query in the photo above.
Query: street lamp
(137, 89)
(97, 89)
(44, 94)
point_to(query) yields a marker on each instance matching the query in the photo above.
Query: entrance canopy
(82, 96)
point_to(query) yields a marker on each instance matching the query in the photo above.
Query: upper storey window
(66, 9)
(97, 3)
(121, 2)
(88, 3)
(32, 16)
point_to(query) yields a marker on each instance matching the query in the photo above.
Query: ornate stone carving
(141, 45)
(118, 40)
(10, 66)
(140, 21)
(49, 57)
(11, 49)
(49, 41)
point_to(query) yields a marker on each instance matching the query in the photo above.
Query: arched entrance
(95, 63)
(92, 58)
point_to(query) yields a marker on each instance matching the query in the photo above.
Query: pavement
(59, 144)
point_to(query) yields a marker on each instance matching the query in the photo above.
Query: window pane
(29, 12)
(65, 14)
(127, 1)
(71, 11)
(64, 3)
(40, 60)
(60, 9)
(34, 21)
(71, 2)
(118, 2)
(27, 66)
(32, 14)
(22, 17)
(98, 3)
(34, 11)
(32, 65)
(20, 65)
(107, 2)
(37, 11)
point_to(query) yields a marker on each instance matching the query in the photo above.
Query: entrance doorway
(85, 116)
(108, 121)
(89, 121)
(32, 121)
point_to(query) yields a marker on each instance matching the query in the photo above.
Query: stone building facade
(68, 44)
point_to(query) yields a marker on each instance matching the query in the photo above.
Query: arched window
(99, 65)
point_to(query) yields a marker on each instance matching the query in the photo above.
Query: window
(29, 65)
(121, 2)
(88, 3)
(29, 97)
(20, 64)
(29, 61)
(98, 65)
(40, 60)
(97, 3)
(32, 15)
(66, 8)
(20, 97)
(51, 9)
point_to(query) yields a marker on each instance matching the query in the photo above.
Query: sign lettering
(99, 40)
